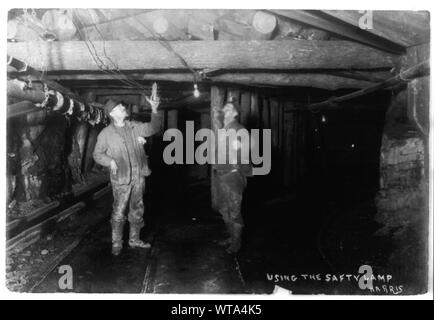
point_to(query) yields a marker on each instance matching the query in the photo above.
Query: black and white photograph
(224, 152)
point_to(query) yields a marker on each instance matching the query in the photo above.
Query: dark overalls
(231, 181)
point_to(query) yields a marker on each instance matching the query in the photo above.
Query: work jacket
(111, 146)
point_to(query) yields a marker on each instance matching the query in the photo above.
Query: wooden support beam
(418, 92)
(247, 25)
(218, 97)
(60, 24)
(311, 80)
(164, 28)
(406, 28)
(274, 123)
(318, 20)
(254, 111)
(287, 29)
(170, 24)
(88, 17)
(419, 70)
(239, 55)
(288, 146)
(185, 102)
(333, 81)
(264, 25)
(364, 76)
(265, 113)
(245, 108)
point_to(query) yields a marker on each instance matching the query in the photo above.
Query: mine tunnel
(347, 110)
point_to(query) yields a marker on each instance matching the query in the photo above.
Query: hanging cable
(166, 44)
(115, 66)
(100, 63)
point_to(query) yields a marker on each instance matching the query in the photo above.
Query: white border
(222, 4)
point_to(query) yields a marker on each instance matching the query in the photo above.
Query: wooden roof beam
(329, 80)
(234, 55)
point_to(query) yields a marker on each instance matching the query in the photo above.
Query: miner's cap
(110, 105)
(234, 102)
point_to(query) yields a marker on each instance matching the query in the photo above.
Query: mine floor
(306, 249)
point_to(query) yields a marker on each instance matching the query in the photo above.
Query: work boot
(116, 249)
(236, 232)
(117, 232)
(135, 241)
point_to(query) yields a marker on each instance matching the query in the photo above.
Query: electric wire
(100, 63)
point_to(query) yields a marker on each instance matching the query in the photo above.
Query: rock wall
(402, 174)
(402, 201)
(38, 145)
(45, 156)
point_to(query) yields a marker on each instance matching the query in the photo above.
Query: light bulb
(323, 118)
(196, 92)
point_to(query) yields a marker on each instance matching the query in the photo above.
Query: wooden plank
(264, 25)
(254, 111)
(265, 113)
(200, 29)
(33, 234)
(33, 215)
(88, 17)
(239, 55)
(185, 102)
(171, 24)
(406, 28)
(418, 92)
(274, 126)
(218, 95)
(172, 119)
(274, 121)
(288, 146)
(245, 109)
(342, 29)
(323, 81)
(227, 29)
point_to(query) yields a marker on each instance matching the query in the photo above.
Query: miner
(231, 176)
(120, 147)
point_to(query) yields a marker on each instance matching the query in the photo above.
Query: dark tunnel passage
(301, 217)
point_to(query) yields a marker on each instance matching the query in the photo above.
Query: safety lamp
(196, 91)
